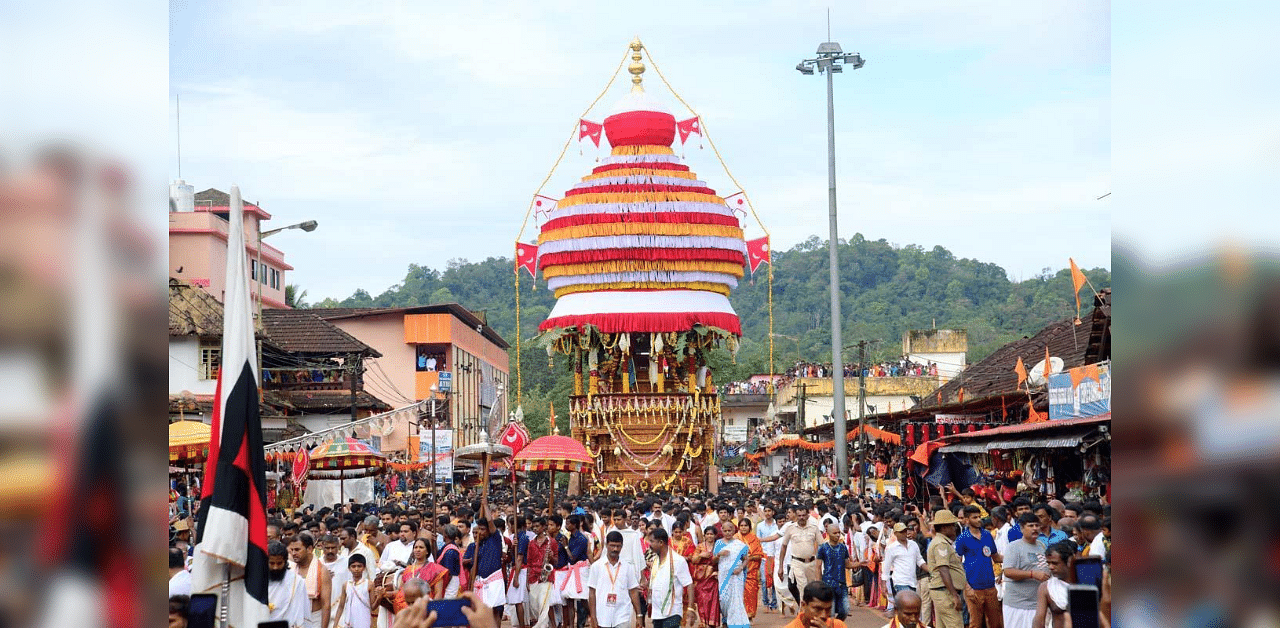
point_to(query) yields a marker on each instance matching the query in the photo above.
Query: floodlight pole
(829, 60)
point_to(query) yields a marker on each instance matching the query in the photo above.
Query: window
(253, 269)
(210, 361)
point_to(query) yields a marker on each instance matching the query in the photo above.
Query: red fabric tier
(647, 322)
(654, 165)
(691, 218)
(640, 128)
(638, 189)
(646, 254)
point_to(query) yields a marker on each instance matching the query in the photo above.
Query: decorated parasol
(345, 458)
(189, 442)
(553, 453)
(515, 436)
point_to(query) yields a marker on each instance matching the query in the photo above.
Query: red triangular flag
(587, 128)
(758, 252)
(527, 258)
(685, 127)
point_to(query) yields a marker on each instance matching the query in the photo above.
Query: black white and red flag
(231, 537)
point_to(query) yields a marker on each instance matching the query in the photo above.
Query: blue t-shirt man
(833, 559)
(976, 552)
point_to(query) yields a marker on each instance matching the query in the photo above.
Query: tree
(443, 295)
(295, 298)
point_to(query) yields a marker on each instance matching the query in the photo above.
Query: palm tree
(295, 298)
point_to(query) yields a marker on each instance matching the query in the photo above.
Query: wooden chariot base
(645, 442)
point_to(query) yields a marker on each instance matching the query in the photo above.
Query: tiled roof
(1077, 345)
(302, 331)
(331, 400)
(217, 198)
(192, 311)
(471, 319)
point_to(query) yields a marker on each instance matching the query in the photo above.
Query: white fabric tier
(639, 208)
(640, 179)
(639, 101)
(661, 276)
(597, 243)
(639, 159)
(641, 302)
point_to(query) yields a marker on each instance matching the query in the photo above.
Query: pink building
(198, 225)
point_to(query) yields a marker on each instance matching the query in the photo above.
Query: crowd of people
(901, 367)
(705, 561)
(758, 387)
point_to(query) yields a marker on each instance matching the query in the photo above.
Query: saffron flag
(587, 128)
(1021, 370)
(1032, 415)
(527, 258)
(543, 204)
(1077, 281)
(686, 127)
(231, 539)
(1047, 366)
(758, 252)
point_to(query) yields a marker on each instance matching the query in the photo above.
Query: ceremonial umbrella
(189, 441)
(350, 457)
(553, 453)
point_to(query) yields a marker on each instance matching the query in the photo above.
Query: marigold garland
(645, 149)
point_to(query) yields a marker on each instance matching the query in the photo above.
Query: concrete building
(945, 347)
(420, 344)
(198, 225)
(884, 394)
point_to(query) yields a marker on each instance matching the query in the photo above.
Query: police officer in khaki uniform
(946, 572)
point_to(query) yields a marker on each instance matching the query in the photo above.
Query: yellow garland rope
(750, 205)
(569, 141)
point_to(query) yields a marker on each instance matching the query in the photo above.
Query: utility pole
(862, 419)
(800, 407)
(354, 374)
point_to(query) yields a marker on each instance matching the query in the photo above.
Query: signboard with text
(1080, 392)
(443, 453)
(445, 379)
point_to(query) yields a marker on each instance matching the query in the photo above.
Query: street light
(308, 226)
(831, 59)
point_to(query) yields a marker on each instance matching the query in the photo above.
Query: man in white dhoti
(286, 593)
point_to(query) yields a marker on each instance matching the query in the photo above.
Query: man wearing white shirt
(286, 592)
(1093, 527)
(397, 553)
(901, 559)
(668, 517)
(179, 577)
(615, 588)
(669, 585)
(770, 536)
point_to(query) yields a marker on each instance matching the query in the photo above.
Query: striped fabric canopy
(553, 453)
(345, 454)
(189, 441)
(641, 244)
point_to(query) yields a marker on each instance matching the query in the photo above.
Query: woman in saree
(681, 540)
(731, 556)
(751, 592)
(706, 586)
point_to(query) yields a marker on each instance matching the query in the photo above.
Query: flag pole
(224, 600)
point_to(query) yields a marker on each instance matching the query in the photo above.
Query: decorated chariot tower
(641, 256)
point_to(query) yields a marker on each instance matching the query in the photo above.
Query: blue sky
(417, 132)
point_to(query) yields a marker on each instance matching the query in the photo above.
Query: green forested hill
(886, 291)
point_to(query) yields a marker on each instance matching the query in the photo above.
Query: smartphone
(1089, 571)
(203, 611)
(1082, 601)
(279, 623)
(449, 612)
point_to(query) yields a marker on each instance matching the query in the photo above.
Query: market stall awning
(1042, 435)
